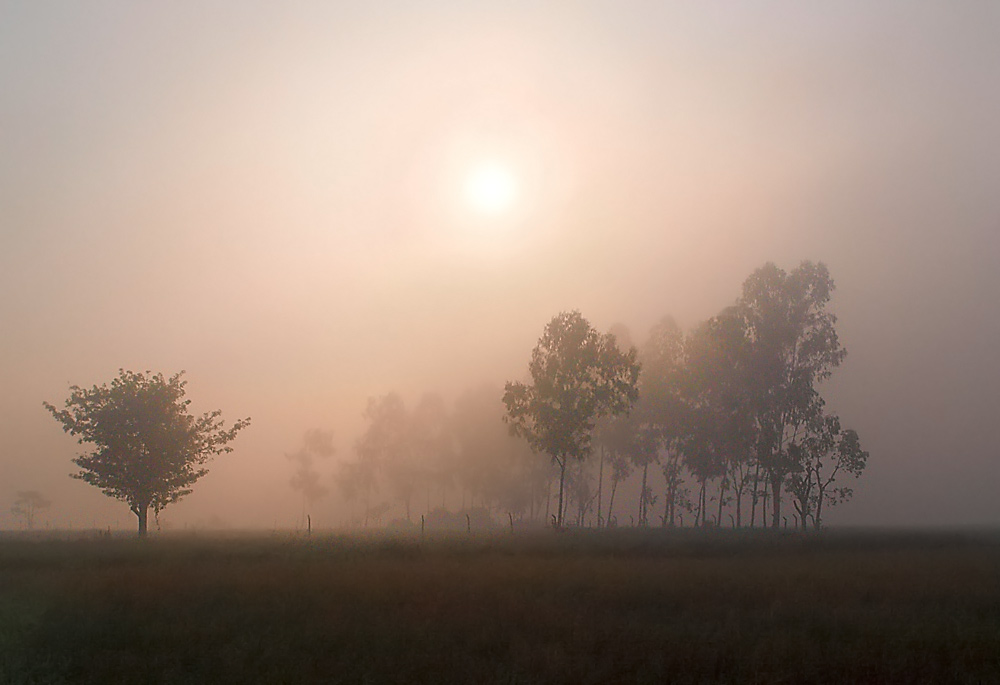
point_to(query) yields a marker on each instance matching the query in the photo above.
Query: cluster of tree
(725, 419)
(732, 407)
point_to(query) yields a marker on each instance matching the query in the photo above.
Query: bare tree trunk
(739, 508)
(673, 503)
(666, 506)
(699, 517)
(704, 502)
(697, 509)
(722, 493)
(819, 511)
(775, 502)
(562, 481)
(611, 502)
(763, 504)
(600, 487)
(642, 497)
(548, 500)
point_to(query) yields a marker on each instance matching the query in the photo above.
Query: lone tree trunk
(142, 512)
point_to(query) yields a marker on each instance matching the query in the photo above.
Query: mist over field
(287, 202)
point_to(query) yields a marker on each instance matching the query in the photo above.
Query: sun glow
(491, 189)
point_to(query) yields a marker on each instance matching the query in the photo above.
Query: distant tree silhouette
(147, 449)
(357, 480)
(498, 468)
(577, 376)
(385, 449)
(432, 444)
(316, 444)
(27, 505)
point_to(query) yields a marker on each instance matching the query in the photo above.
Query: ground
(544, 607)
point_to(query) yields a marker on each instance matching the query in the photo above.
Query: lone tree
(577, 376)
(147, 449)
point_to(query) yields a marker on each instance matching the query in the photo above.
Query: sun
(491, 188)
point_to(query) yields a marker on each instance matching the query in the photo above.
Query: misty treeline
(443, 464)
(721, 425)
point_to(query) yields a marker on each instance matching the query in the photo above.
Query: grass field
(576, 607)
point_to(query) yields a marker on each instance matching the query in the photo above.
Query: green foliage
(147, 449)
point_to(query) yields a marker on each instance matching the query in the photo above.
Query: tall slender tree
(660, 413)
(793, 345)
(716, 390)
(577, 376)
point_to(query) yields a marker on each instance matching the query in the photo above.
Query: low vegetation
(579, 606)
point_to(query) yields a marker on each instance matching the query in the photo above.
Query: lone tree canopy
(147, 449)
(578, 375)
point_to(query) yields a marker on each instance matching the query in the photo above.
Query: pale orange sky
(271, 197)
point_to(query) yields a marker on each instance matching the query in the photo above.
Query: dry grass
(578, 607)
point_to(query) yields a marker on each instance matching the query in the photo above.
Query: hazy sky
(272, 197)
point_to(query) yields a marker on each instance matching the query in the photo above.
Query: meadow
(541, 607)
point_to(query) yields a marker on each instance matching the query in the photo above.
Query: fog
(270, 197)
